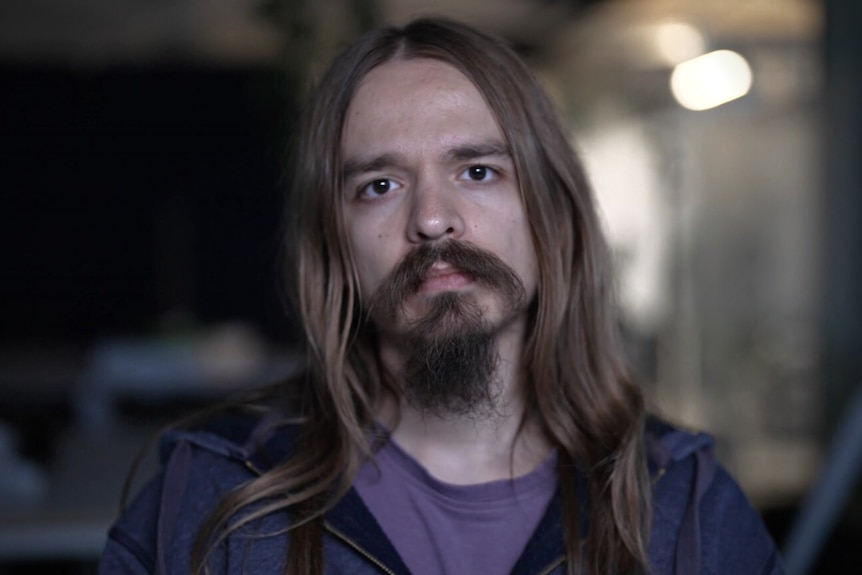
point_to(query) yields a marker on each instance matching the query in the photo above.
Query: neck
(501, 443)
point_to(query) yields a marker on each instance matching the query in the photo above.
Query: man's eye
(479, 173)
(378, 187)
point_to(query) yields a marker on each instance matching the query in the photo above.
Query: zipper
(553, 565)
(252, 467)
(356, 547)
(559, 561)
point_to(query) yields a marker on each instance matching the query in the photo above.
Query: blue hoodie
(702, 523)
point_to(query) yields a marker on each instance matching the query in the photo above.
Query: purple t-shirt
(439, 527)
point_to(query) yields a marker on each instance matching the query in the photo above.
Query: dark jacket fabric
(701, 520)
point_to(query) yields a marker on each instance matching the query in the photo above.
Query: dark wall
(843, 206)
(128, 193)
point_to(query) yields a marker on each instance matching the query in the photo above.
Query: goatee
(451, 351)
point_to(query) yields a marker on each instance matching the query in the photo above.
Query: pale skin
(426, 161)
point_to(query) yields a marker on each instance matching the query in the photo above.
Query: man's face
(426, 170)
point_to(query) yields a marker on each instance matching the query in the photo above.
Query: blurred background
(142, 177)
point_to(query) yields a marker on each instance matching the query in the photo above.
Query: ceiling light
(711, 80)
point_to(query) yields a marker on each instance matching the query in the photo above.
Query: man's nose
(435, 214)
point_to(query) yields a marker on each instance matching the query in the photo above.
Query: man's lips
(444, 277)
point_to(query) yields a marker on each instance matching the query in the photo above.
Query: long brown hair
(578, 386)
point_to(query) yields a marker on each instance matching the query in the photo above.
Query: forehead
(408, 100)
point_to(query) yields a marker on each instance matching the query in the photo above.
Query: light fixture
(711, 80)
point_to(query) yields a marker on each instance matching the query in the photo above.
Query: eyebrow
(474, 151)
(355, 166)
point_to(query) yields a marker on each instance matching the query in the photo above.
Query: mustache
(480, 265)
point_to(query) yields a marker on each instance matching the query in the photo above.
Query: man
(465, 408)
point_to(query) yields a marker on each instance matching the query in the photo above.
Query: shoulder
(735, 538)
(702, 520)
(199, 468)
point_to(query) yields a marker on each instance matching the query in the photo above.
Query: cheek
(371, 256)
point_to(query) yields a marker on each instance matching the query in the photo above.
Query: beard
(450, 347)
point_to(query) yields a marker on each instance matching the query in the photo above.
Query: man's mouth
(443, 277)
(429, 271)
